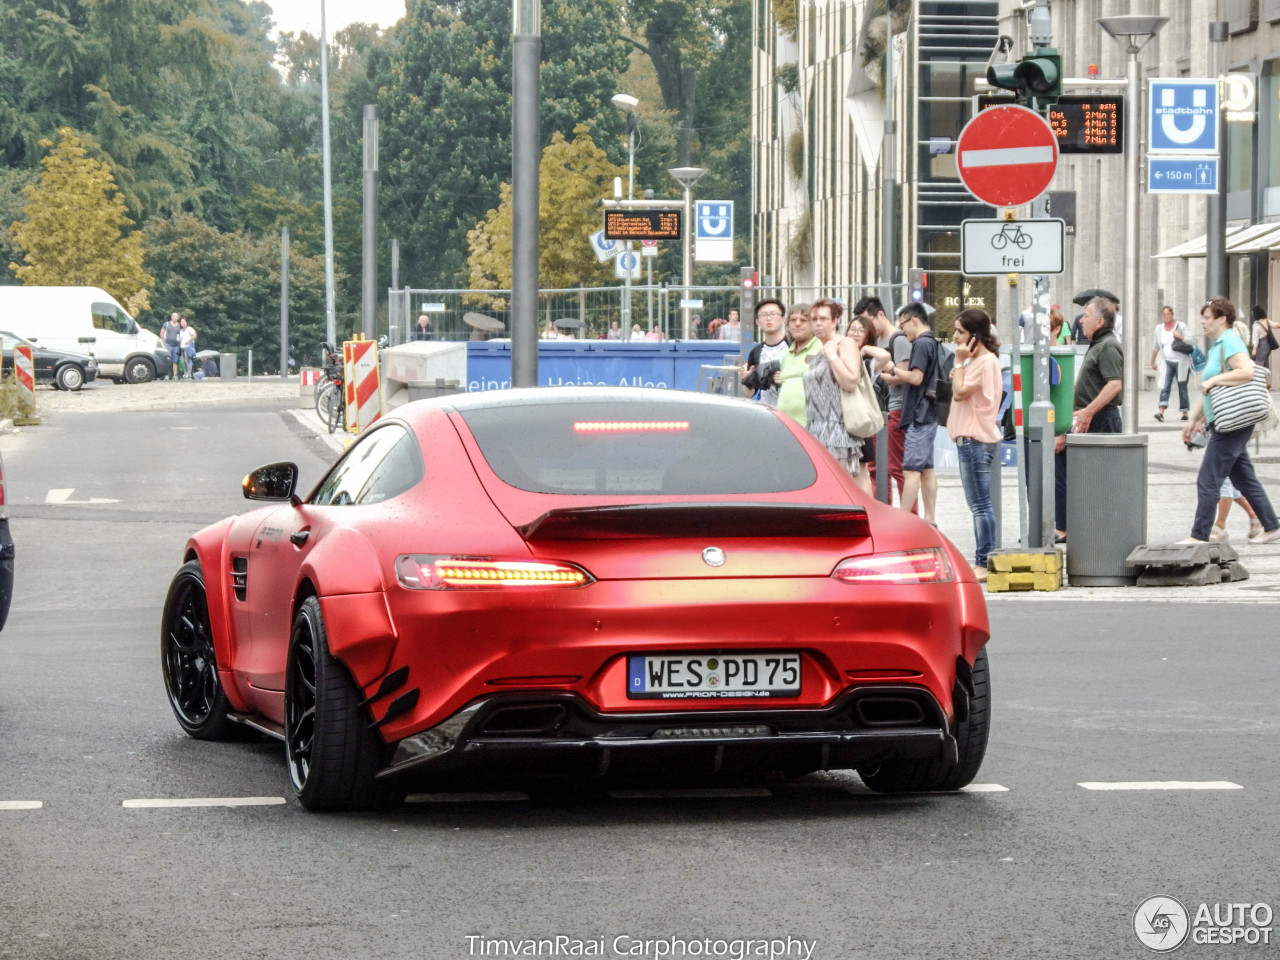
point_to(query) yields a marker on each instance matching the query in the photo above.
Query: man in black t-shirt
(919, 421)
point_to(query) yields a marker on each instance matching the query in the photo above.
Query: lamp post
(628, 103)
(1133, 31)
(525, 155)
(330, 321)
(687, 177)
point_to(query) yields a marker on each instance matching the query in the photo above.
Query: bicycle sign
(994, 247)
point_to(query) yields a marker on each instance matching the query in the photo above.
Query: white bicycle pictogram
(1011, 232)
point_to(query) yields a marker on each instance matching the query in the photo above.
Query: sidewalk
(1171, 504)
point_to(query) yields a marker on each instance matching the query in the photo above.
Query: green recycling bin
(1061, 389)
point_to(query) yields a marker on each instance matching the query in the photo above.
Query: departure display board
(1081, 124)
(642, 224)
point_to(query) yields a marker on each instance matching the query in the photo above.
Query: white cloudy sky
(299, 15)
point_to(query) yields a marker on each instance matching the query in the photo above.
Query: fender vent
(240, 576)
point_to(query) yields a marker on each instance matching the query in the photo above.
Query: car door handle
(299, 538)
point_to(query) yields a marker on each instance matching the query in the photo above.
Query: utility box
(227, 366)
(1106, 507)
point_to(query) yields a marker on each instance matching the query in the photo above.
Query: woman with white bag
(1229, 385)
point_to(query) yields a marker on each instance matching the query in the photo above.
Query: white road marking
(984, 788)
(692, 793)
(1006, 156)
(496, 796)
(63, 495)
(205, 802)
(21, 804)
(1162, 785)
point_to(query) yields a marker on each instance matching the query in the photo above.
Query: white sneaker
(1186, 540)
(1267, 536)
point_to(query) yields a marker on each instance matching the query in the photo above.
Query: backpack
(940, 394)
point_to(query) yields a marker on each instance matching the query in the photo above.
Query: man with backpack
(919, 376)
(889, 337)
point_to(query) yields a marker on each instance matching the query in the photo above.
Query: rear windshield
(640, 448)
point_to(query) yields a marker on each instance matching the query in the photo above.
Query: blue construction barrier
(672, 364)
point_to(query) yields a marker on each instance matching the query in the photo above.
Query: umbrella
(1082, 298)
(568, 323)
(480, 322)
(205, 354)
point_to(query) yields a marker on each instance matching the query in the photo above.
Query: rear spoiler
(688, 520)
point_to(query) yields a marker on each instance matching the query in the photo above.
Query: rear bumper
(559, 733)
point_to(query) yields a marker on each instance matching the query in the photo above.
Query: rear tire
(332, 753)
(69, 377)
(139, 370)
(916, 776)
(188, 659)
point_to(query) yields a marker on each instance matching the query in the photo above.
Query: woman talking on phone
(975, 404)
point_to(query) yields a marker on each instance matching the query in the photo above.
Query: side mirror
(275, 481)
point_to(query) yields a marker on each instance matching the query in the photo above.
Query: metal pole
(1131, 307)
(369, 280)
(1215, 264)
(631, 169)
(284, 302)
(330, 323)
(888, 202)
(525, 154)
(686, 313)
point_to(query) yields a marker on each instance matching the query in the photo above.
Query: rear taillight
(927, 565)
(460, 573)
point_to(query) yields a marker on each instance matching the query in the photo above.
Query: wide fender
(347, 577)
(210, 547)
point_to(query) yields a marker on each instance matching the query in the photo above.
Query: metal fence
(653, 307)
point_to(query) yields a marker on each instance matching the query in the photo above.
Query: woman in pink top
(975, 403)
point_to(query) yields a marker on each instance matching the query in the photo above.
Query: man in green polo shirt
(790, 375)
(1096, 401)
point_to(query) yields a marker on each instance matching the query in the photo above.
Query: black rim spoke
(190, 664)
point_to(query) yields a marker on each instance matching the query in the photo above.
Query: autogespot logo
(1161, 924)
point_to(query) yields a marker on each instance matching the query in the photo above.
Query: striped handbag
(1241, 405)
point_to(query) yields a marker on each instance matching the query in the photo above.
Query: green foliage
(14, 401)
(74, 231)
(786, 14)
(787, 77)
(228, 285)
(574, 175)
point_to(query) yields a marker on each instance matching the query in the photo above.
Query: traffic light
(1038, 75)
(917, 283)
(747, 296)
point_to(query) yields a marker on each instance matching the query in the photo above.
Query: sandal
(980, 573)
(1160, 415)
(1220, 534)
(1255, 529)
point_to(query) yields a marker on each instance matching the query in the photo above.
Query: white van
(85, 320)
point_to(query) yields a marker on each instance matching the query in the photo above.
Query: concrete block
(1004, 582)
(1180, 554)
(1200, 576)
(1233, 572)
(1047, 560)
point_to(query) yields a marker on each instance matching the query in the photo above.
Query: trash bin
(227, 366)
(1062, 386)
(1106, 507)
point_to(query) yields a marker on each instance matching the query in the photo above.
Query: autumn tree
(75, 231)
(574, 175)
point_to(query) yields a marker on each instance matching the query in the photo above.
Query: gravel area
(107, 397)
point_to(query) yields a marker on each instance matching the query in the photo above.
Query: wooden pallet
(1037, 570)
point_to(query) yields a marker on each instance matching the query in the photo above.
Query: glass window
(383, 464)
(107, 316)
(649, 447)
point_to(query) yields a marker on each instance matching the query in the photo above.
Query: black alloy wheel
(188, 659)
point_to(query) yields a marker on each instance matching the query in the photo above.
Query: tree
(75, 228)
(574, 175)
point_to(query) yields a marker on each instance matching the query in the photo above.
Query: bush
(14, 402)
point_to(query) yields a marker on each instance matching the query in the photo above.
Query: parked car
(585, 581)
(6, 551)
(64, 369)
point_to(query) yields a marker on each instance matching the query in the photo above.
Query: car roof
(489, 399)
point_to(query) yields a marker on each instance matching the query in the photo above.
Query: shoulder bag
(862, 414)
(1185, 345)
(1241, 405)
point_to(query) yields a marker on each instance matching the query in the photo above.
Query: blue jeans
(1171, 371)
(975, 474)
(1227, 455)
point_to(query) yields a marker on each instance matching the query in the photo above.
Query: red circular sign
(1007, 155)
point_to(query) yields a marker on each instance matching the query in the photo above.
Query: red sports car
(580, 582)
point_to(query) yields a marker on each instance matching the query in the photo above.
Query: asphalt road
(1083, 693)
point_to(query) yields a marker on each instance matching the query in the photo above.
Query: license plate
(712, 676)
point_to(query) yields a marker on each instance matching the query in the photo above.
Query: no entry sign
(1007, 156)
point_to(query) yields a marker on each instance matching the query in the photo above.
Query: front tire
(139, 370)
(69, 377)
(916, 776)
(332, 753)
(188, 659)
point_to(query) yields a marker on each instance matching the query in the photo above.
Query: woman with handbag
(1264, 339)
(1232, 404)
(1173, 344)
(975, 404)
(832, 368)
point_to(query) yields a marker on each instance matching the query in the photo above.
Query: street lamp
(1133, 31)
(628, 103)
(687, 177)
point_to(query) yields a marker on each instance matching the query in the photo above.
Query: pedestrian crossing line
(21, 804)
(984, 788)
(204, 802)
(1161, 785)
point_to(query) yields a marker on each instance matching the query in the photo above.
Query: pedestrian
(873, 360)
(1176, 365)
(1096, 401)
(976, 389)
(919, 419)
(889, 337)
(187, 346)
(766, 356)
(795, 361)
(615, 331)
(171, 334)
(422, 329)
(637, 332)
(834, 367)
(1264, 339)
(731, 329)
(1059, 335)
(1226, 455)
